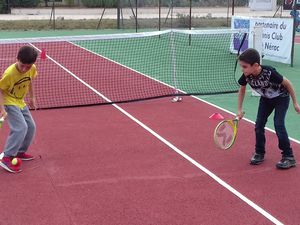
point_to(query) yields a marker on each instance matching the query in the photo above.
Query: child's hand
(32, 103)
(297, 107)
(3, 113)
(240, 114)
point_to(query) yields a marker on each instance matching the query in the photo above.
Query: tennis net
(105, 69)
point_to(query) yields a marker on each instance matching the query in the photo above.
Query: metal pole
(136, 16)
(118, 14)
(228, 13)
(232, 12)
(173, 52)
(52, 16)
(134, 13)
(294, 34)
(159, 15)
(99, 23)
(171, 14)
(170, 7)
(190, 25)
(122, 17)
(276, 11)
(190, 15)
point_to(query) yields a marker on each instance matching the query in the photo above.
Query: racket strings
(225, 134)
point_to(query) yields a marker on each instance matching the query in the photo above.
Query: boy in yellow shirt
(15, 83)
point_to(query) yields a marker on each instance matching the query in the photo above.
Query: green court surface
(153, 56)
(53, 33)
(161, 46)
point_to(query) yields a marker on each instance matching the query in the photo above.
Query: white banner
(262, 5)
(277, 38)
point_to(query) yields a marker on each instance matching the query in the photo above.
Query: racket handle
(237, 118)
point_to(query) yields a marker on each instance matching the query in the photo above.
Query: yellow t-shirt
(15, 85)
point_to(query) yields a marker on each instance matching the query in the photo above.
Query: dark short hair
(27, 55)
(250, 56)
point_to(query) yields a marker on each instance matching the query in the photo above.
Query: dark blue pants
(266, 107)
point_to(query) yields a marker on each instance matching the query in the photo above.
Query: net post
(176, 98)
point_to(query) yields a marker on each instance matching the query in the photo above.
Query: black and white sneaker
(257, 159)
(286, 163)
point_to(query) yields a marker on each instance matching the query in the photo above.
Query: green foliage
(99, 3)
(185, 3)
(183, 20)
(3, 7)
(164, 3)
(24, 3)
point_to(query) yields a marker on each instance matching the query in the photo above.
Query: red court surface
(99, 167)
(127, 84)
(96, 165)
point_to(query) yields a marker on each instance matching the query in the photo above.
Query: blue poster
(240, 23)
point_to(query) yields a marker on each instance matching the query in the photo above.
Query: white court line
(177, 150)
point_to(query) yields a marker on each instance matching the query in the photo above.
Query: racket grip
(237, 118)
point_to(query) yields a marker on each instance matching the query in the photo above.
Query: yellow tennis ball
(15, 161)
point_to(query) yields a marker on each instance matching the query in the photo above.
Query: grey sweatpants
(22, 130)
